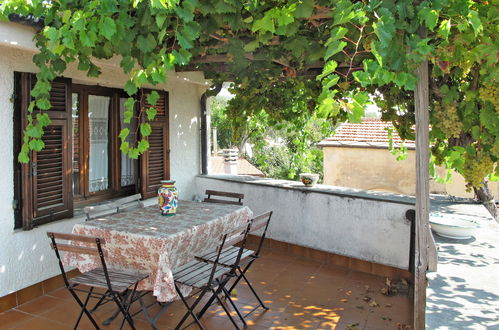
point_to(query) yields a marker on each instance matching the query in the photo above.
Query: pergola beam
(421, 247)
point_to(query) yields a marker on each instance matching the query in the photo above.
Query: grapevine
(476, 168)
(490, 93)
(290, 59)
(448, 120)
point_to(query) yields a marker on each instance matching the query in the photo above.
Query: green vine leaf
(305, 9)
(43, 103)
(125, 147)
(130, 87)
(145, 129)
(334, 48)
(151, 113)
(475, 22)
(444, 29)
(43, 119)
(152, 98)
(107, 27)
(429, 17)
(36, 144)
(143, 146)
(124, 133)
(146, 44)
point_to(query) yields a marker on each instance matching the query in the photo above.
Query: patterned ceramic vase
(168, 197)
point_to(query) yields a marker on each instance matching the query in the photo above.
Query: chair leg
(116, 312)
(241, 271)
(254, 292)
(190, 309)
(151, 320)
(241, 317)
(225, 309)
(127, 303)
(205, 307)
(123, 309)
(212, 298)
(83, 308)
(99, 302)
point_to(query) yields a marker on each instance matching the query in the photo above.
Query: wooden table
(143, 240)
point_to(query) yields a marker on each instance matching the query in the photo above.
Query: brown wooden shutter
(155, 162)
(47, 180)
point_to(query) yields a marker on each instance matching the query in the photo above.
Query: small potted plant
(309, 179)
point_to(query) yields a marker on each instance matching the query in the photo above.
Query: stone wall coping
(334, 190)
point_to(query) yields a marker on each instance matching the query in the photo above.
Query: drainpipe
(205, 134)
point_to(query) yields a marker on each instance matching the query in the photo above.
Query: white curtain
(98, 115)
(128, 165)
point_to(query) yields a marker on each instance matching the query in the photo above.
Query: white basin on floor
(452, 226)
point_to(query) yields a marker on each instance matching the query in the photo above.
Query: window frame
(25, 194)
(114, 166)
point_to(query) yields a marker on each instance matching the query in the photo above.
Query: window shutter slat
(47, 180)
(154, 165)
(50, 195)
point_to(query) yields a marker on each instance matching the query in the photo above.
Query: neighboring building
(357, 156)
(243, 167)
(81, 163)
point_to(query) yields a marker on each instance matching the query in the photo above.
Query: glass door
(98, 128)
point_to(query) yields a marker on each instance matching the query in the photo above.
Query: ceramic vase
(168, 198)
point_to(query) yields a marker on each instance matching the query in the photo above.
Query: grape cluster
(476, 168)
(494, 151)
(447, 119)
(490, 93)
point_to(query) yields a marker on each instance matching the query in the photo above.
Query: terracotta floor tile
(41, 305)
(61, 293)
(68, 313)
(301, 294)
(342, 325)
(331, 270)
(13, 318)
(39, 323)
(139, 325)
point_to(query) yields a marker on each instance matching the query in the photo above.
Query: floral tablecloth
(143, 240)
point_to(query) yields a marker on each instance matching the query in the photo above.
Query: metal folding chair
(120, 285)
(247, 257)
(231, 195)
(210, 278)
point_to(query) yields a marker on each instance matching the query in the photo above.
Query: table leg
(153, 319)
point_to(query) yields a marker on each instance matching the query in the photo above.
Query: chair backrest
(92, 247)
(237, 197)
(129, 202)
(93, 212)
(257, 223)
(234, 236)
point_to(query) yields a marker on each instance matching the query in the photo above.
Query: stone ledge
(338, 191)
(319, 188)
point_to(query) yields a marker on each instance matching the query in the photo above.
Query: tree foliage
(281, 149)
(328, 56)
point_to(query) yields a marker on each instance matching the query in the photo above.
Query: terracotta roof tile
(371, 131)
(243, 167)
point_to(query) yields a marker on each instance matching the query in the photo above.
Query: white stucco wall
(365, 225)
(25, 257)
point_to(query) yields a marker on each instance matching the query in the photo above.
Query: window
(100, 170)
(81, 162)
